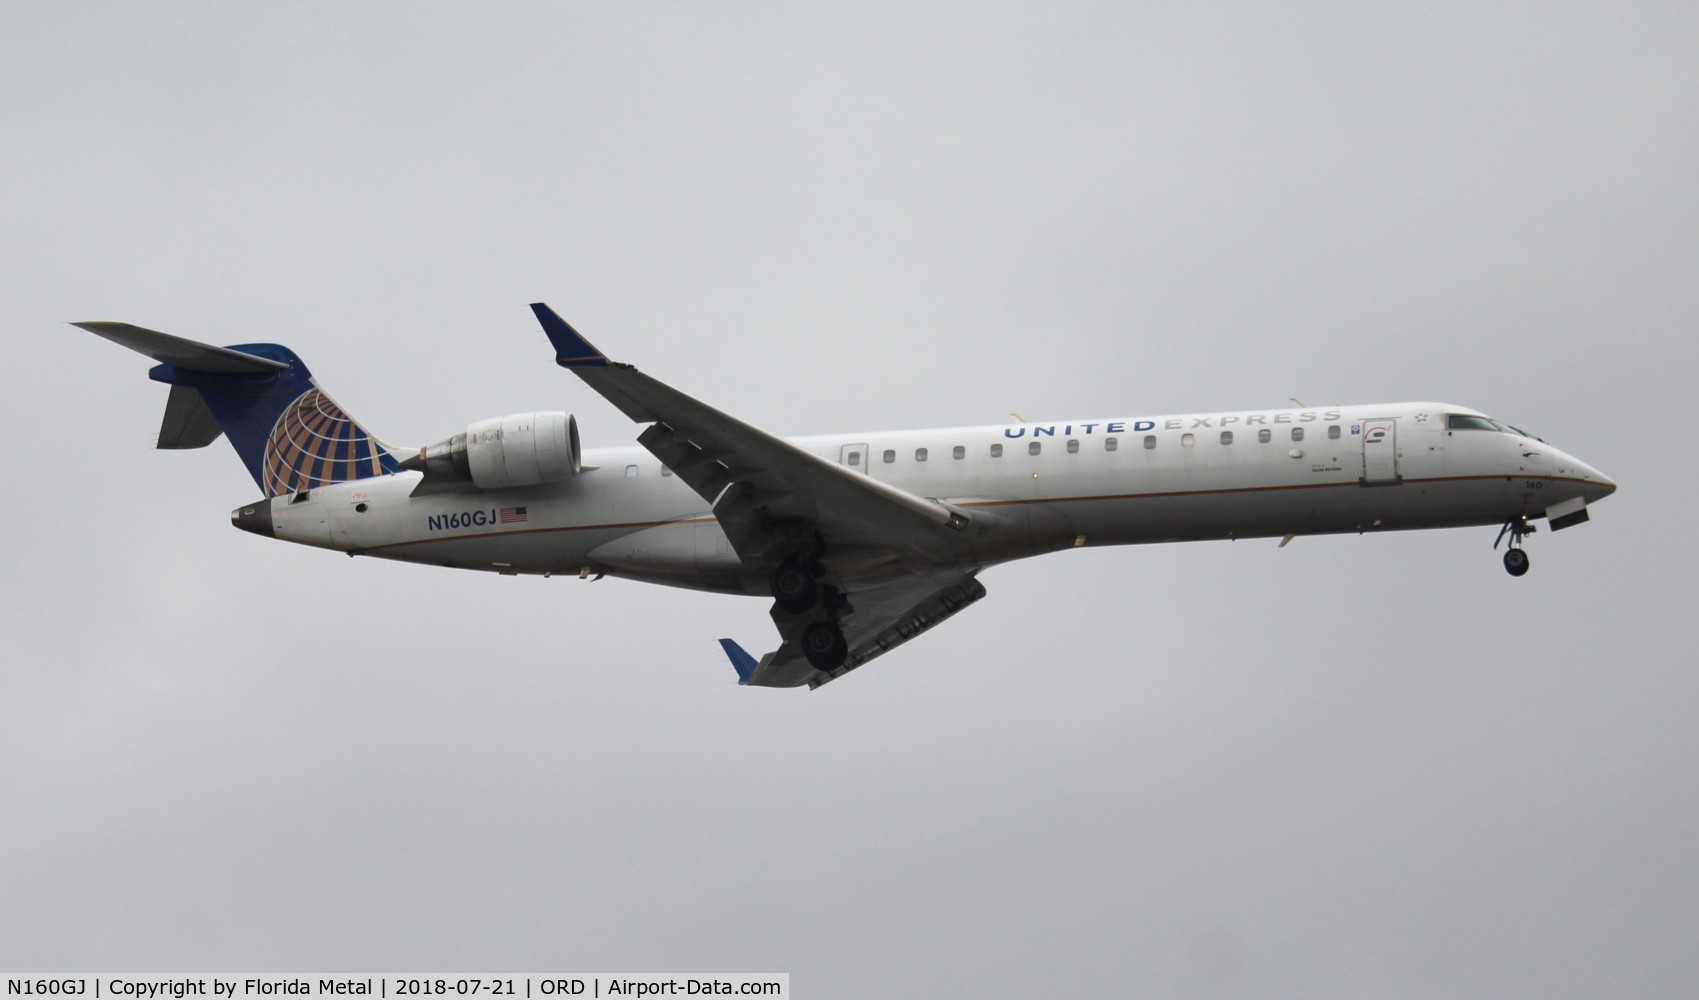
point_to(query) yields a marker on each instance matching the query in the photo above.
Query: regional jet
(860, 541)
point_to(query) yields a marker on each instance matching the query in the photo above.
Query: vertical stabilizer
(289, 433)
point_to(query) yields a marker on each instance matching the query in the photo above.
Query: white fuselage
(1027, 488)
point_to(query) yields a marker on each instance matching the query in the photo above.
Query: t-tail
(290, 434)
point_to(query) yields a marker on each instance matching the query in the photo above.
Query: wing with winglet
(769, 495)
(880, 619)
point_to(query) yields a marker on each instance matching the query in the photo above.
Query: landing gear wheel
(823, 643)
(794, 587)
(1515, 560)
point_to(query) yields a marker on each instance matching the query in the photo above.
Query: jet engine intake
(522, 449)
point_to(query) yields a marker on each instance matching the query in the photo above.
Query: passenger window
(889, 456)
(666, 471)
(920, 454)
(1264, 436)
(1297, 434)
(1333, 432)
(1149, 441)
(631, 472)
(1073, 446)
(1110, 444)
(997, 451)
(1035, 447)
(958, 452)
(1226, 437)
(1187, 440)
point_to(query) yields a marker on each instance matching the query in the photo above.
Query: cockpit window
(1471, 422)
(1468, 422)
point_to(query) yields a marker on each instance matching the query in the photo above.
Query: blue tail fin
(290, 434)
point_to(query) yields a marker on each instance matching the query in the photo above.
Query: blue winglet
(571, 349)
(742, 662)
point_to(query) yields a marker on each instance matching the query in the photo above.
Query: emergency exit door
(855, 457)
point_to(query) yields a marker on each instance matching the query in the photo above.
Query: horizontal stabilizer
(188, 422)
(186, 354)
(289, 433)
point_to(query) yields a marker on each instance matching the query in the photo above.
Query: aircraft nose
(1598, 485)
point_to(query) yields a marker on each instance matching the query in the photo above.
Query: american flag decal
(512, 515)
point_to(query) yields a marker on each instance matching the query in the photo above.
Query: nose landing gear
(1515, 559)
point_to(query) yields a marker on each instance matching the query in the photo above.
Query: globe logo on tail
(315, 442)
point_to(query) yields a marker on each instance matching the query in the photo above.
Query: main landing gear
(823, 643)
(797, 592)
(795, 585)
(1515, 559)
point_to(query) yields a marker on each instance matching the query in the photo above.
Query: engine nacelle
(522, 449)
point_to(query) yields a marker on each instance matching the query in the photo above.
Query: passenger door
(1380, 452)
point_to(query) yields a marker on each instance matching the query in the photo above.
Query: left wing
(880, 619)
(897, 556)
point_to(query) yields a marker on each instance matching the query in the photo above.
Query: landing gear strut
(1515, 560)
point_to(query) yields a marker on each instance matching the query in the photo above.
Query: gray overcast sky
(1355, 766)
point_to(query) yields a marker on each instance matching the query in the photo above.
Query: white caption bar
(570, 986)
